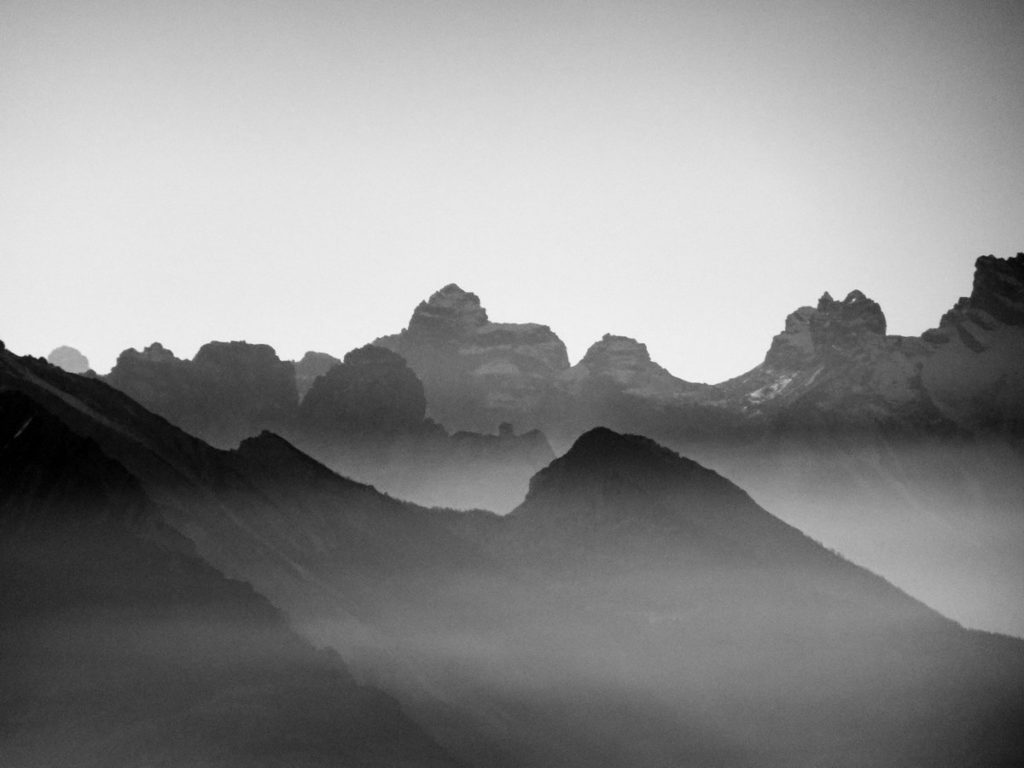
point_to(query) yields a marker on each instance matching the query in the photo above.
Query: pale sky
(304, 173)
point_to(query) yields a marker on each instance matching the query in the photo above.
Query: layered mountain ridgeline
(122, 648)
(637, 609)
(230, 390)
(902, 452)
(832, 366)
(364, 416)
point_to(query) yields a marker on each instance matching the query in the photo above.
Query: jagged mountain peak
(855, 314)
(478, 373)
(449, 311)
(831, 326)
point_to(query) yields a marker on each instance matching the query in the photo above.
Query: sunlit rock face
(312, 366)
(68, 358)
(478, 373)
(230, 390)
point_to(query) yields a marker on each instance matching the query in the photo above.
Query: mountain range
(172, 603)
(904, 453)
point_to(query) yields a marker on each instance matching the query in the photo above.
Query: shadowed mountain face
(903, 453)
(636, 609)
(122, 648)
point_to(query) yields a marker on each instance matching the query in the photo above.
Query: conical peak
(449, 311)
(604, 452)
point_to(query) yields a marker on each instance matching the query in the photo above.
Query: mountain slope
(121, 647)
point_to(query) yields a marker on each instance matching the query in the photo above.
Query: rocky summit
(478, 373)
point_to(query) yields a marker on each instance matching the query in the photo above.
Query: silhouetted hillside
(121, 647)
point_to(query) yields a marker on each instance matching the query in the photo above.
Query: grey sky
(303, 173)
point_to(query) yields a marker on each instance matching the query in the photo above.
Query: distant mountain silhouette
(833, 366)
(68, 358)
(636, 609)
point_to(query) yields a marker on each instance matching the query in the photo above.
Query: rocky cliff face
(478, 373)
(975, 371)
(833, 366)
